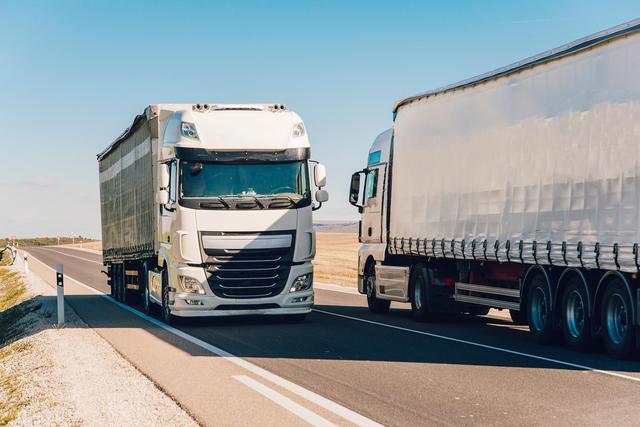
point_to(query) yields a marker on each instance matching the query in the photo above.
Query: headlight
(302, 283)
(189, 130)
(191, 285)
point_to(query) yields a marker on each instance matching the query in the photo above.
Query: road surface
(388, 369)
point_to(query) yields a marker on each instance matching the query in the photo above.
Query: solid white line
(323, 402)
(73, 256)
(486, 346)
(303, 392)
(299, 410)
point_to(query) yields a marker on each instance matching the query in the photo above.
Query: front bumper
(194, 305)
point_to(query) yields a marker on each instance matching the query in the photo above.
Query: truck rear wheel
(539, 310)
(619, 333)
(418, 291)
(576, 319)
(375, 305)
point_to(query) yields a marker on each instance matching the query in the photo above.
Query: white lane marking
(336, 288)
(400, 328)
(73, 256)
(309, 395)
(299, 410)
(477, 344)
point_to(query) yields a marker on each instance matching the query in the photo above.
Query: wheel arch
(608, 277)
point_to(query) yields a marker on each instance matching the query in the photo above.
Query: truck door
(374, 194)
(167, 212)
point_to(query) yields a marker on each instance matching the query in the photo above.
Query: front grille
(248, 273)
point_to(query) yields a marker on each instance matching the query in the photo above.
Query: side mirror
(162, 197)
(165, 175)
(322, 196)
(354, 190)
(320, 175)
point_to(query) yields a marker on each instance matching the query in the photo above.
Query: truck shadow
(331, 333)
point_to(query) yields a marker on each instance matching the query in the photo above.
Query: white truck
(517, 189)
(207, 211)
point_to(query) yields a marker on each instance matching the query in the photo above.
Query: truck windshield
(255, 185)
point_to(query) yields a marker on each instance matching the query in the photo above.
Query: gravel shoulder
(68, 375)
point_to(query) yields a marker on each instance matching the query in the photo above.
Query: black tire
(575, 316)
(618, 331)
(375, 305)
(165, 313)
(539, 311)
(519, 317)
(418, 288)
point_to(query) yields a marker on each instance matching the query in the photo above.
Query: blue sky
(74, 73)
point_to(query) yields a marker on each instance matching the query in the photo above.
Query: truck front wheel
(144, 289)
(617, 321)
(167, 317)
(375, 305)
(418, 292)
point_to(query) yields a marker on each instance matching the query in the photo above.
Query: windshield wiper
(215, 205)
(278, 197)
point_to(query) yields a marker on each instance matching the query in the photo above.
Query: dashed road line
(296, 409)
(306, 394)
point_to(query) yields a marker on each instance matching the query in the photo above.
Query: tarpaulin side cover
(550, 154)
(126, 197)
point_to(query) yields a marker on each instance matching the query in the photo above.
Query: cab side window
(172, 182)
(371, 187)
(172, 188)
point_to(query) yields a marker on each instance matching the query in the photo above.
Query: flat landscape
(336, 257)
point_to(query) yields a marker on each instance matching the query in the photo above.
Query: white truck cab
(232, 206)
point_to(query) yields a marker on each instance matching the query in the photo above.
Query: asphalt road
(391, 369)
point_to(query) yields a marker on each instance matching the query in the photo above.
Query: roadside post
(60, 289)
(26, 264)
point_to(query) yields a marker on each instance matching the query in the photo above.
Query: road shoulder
(70, 375)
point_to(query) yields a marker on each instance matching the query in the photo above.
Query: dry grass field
(95, 245)
(336, 258)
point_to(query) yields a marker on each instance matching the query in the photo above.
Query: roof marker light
(189, 130)
(298, 130)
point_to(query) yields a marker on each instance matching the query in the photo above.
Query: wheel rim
(539, 309)
(575, 314)
(617, 318)
(371, 286)
(417, 295)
